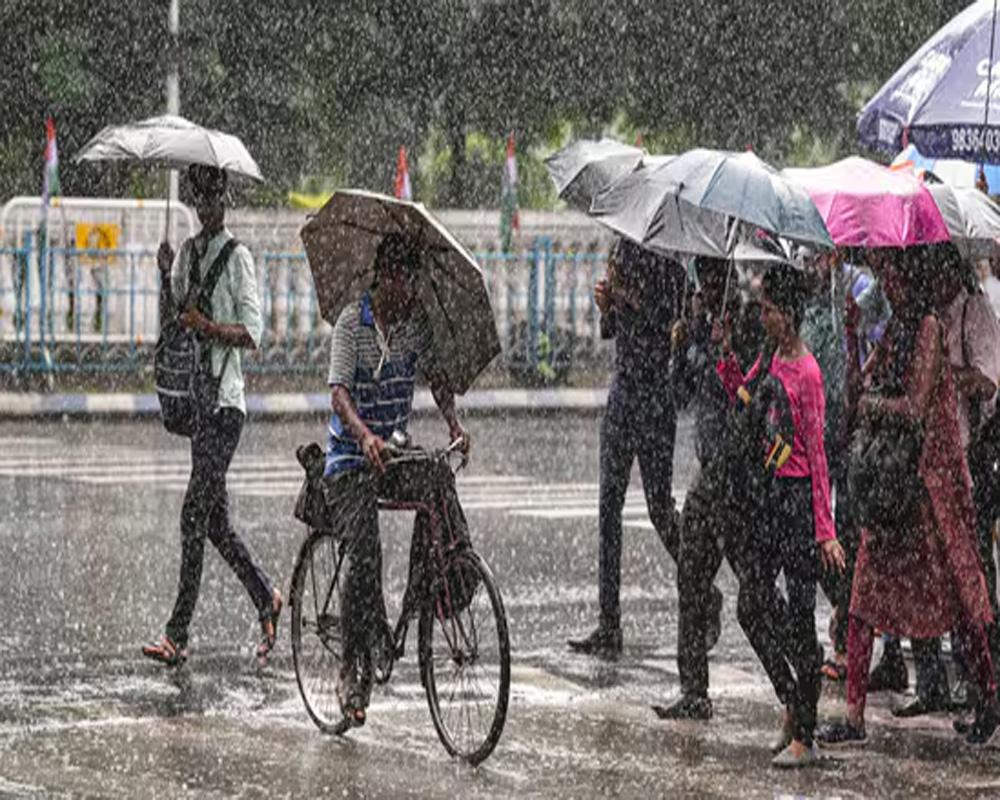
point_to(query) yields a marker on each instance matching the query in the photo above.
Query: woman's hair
(785, 286)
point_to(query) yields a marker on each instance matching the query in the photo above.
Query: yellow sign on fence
(97, 236)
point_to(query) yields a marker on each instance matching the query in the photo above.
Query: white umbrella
(171, 142)
(973, 220)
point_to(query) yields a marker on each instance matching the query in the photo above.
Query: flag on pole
(50, 179)
(510, 221)
(402, 188)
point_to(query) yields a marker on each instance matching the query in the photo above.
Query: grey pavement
(91, 551)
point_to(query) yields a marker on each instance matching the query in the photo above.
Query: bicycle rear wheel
(465, 658)
(317, 633)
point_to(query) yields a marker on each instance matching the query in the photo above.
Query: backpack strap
(214, 273)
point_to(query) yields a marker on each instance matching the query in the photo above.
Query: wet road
(89, 570)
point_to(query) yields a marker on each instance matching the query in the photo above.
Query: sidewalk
(16, 405)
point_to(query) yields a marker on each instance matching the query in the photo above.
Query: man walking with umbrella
(231, 324)
(638, 306)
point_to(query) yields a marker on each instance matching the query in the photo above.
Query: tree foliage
(326, 93)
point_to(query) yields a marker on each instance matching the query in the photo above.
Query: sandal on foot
(834, 671)
(269, 627)
(165, 651)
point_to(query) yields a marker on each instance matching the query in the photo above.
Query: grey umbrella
(580, 170)
(341, 241)
(972, 218)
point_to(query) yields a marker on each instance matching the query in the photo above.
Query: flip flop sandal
(269, 637)
(165, 651)
(833, 671)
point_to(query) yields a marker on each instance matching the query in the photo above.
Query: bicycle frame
(440, 547)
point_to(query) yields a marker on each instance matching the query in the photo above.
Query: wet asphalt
(89, 527)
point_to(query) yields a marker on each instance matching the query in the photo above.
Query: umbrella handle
(166, 227)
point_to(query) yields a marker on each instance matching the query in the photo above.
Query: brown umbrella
(340, 243)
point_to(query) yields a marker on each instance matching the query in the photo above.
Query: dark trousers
(837, 585)
(632, 429)
(783, 632)
(206, 513)
(353, 500)
(986, 493)
(710, 522)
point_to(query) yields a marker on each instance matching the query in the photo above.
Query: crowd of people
(845, 431)
(843, 405)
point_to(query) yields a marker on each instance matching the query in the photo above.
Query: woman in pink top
(792, 527)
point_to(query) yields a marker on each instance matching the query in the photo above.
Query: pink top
(803, 383)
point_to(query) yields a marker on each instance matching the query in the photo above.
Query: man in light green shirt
(231, 324)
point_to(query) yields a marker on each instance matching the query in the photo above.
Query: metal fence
(90, 311)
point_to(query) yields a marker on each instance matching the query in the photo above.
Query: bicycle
(463, 638)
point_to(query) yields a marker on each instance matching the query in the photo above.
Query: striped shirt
(378, 372)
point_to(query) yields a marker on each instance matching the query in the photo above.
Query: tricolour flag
(402, 188)
(509, 217)
(50, 178)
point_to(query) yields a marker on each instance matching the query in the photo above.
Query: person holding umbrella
(638, 306)
(233, 325)
(918, 574)
(378, 344)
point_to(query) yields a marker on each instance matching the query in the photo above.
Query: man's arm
(370, 444)
(246, 332)
(445, 399)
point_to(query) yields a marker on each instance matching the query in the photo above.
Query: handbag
(884, 481)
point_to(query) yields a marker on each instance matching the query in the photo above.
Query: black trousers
(782, 631)
(712, 523)
(352, 497)
(986, 494)
(629, 430)
(206, 513)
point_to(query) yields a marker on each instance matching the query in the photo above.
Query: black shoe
(985, 724)
(689, 706)
(920, 706)
(602, 642)
(963, 725)
(889, 675)
(713, 619)
(840, 734)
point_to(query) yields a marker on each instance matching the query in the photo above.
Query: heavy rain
(437, 398)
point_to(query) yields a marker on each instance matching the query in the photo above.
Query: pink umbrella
(867, 205)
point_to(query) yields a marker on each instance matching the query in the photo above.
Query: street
(91, 553)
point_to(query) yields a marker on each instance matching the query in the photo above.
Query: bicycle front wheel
(465, 658)
(317, 631)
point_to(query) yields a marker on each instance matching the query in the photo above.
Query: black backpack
(182, 370)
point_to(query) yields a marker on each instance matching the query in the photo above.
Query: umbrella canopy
(341, 241)
(938, 99)
(973, 219)
(742, 186)
(867, 205)
(580, 170)
(703, 202)
(962, 174)
(171, 142)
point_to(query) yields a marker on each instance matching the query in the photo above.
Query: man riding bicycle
(377, 345)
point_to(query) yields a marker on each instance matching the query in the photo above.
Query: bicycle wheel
(317, 634)
(465, 658)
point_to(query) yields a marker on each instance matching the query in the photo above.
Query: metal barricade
(97, 310)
